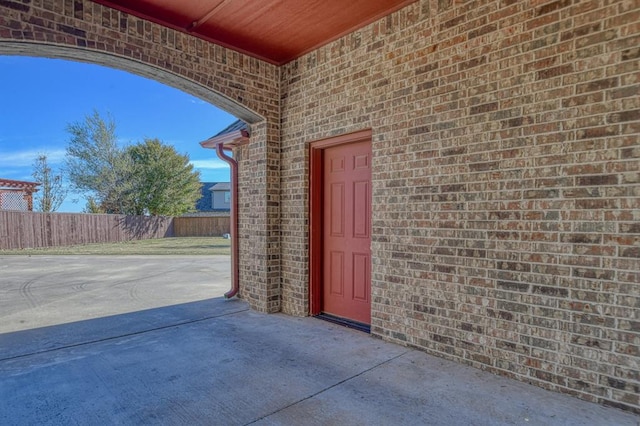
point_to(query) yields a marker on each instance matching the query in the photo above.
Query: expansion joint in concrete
(329, 387)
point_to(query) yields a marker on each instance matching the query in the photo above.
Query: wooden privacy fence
(32, 230)
(201, 226)
(19, 230)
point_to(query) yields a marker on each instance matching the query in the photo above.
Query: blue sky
(40, 97)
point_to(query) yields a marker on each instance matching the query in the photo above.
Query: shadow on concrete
(215, 362)
(44, 339)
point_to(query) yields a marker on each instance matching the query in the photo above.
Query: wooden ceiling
(276, 31)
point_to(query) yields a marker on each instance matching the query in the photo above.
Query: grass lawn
(161, 246)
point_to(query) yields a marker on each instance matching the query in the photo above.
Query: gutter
(235, 135)
(235, 283)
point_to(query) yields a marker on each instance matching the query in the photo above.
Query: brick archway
(243, 86)
(148, 70)
(89, 32)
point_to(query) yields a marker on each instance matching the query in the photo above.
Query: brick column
(259, 221)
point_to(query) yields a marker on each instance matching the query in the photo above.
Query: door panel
(360, 198)
(347, 231)
(337, 207)
(361, 280)
(336, 277)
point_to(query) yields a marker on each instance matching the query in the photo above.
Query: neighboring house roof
(205, 202)
(235, 133)
(221, 186)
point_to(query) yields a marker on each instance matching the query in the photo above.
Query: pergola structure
(17, 194)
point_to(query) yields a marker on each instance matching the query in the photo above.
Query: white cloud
(27, 157)
(209, 164)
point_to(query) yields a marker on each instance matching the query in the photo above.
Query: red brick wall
(506, 196)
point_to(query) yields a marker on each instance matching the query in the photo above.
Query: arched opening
(244, 86)
(113, 288)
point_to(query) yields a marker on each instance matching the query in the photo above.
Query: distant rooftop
(205, 203)
(221, 186)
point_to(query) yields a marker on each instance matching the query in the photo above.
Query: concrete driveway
(120, 360)
(37, 291)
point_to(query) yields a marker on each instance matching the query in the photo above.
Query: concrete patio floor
(215, 362)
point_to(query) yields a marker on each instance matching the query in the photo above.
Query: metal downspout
(235, 284)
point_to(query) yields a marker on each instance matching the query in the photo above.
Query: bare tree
(97, 166)
(52, 191)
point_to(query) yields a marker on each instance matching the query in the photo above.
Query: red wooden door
(346, 269)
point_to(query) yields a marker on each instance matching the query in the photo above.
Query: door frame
(316, 190)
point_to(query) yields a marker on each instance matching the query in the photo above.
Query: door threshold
(360, 326)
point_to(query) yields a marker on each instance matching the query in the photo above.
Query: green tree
(165, 182)
(147, 178)
(96, 165)
(93, 206)
(52, 191)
